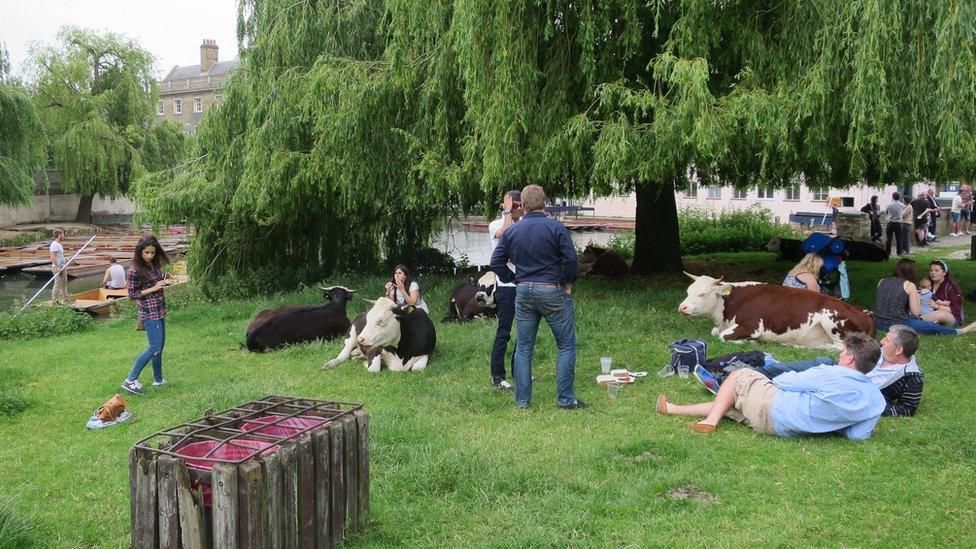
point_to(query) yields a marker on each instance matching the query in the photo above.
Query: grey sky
(171, 30)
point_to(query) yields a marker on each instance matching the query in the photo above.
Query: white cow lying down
(402, 338)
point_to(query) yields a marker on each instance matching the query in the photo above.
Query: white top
(957, 203)
(117, 272)
(57, 248)
(492, 229)
(402, 299)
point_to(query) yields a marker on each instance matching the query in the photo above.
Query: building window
(740, 193)
(793, 192)
(197, 104)
(821, 195)
(692, 191)
(159, 108)
(177, 106)
(764, 193)
(714, 191)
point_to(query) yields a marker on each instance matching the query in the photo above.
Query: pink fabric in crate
(238, 449)
(286, 428)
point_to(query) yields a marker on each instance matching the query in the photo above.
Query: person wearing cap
(546, 265)
(504, 292)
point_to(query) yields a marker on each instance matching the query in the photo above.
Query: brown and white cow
(401, 338)
(768, 313)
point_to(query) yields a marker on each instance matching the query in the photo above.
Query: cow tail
(454, 314)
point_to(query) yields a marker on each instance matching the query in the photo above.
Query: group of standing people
(961, 211)
(905, 216)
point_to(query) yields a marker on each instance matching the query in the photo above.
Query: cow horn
(691, 276)
(370, 301)
(719, 280)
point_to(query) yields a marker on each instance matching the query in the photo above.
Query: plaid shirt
(151, 306)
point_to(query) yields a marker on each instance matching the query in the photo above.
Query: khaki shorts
(753, 403)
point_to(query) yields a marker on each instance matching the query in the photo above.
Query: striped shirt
(151, 306)
(901, 386)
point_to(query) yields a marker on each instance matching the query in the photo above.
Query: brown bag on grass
(140, 326)
(110, 410)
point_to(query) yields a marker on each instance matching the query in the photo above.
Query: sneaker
(133, 387)
(501, 384)
(159, 383)
(578, 405)
(707, 379)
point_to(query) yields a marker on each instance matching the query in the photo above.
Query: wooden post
(169, 514)
(323, 485)
(225, 505)
(338, 497)
(972, 247)
(193, 532)
(362, 424)
(251, 505)
(142, 493)
(351, 472)
(306, 492)
(271, 467)
(289, 493)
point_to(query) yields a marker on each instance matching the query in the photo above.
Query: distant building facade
(188, 91)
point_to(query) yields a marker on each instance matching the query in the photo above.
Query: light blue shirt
(826, 399)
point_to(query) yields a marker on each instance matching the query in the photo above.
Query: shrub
(42, 322)
(704, 230)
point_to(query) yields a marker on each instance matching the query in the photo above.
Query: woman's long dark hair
(406, 280)
(158, 260)
(905, 269)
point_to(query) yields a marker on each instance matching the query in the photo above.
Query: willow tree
(350, 123)
(95, 94)
(21, 139)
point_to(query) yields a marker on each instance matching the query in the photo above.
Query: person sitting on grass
(824, 399)
(806, 274)
(897, 374)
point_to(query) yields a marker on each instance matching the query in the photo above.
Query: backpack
(690, 352)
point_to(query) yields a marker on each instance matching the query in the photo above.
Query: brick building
(188, 91)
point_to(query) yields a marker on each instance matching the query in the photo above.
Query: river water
(461, 243)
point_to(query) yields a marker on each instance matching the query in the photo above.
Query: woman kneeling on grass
(897, 302)
(145, 282)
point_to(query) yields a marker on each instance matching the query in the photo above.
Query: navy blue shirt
(541, 250)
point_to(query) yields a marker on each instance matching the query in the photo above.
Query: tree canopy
(21, 139)
(351, 124)
(95, 94)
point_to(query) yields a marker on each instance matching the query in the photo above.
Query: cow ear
(398, 311)
(726, 290)
(691, 276)
(471, 280)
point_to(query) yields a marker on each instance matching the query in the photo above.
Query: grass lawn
(455, 464)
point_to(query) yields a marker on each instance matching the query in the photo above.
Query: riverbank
(453, 463)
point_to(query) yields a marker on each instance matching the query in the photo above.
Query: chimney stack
(208, 54)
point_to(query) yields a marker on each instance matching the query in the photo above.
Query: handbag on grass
(140, 326)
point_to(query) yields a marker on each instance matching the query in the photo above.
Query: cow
(275, 328)
(768, 313)
(599, 261)
(403, 338)
(471, 299)
(792, 249)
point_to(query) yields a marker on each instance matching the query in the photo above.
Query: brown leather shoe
(703, 428)
(662, 404)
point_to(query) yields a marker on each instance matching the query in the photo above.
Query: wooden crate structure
(303, 487)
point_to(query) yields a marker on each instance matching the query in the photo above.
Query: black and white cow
(471, 299)
(402, 338)
(275, 328)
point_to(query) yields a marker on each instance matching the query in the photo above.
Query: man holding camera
(504, 292)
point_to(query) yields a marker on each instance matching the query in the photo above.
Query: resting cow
(402, 338)
(751, 310)
(471, 299)
(274, 328)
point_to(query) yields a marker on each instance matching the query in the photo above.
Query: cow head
(486, 290)
(704, 296)
(337, 294)
(382, 325)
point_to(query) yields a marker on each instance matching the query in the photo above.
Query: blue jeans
(505, 305)
(156, 334)
(923, 327)
(533, 303)
(774, 369)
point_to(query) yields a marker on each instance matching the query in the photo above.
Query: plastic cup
(605, 363)
(665, 372)
(684, 371)
(613, 388)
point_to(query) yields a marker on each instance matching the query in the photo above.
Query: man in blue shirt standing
(825, 399)
(545, 269)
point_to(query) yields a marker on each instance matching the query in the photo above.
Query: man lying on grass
(824, 399)
(897, 374)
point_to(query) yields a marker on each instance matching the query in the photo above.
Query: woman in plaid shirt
(145, 282)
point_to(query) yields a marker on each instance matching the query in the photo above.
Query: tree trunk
(657, 245)
(85, 209)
